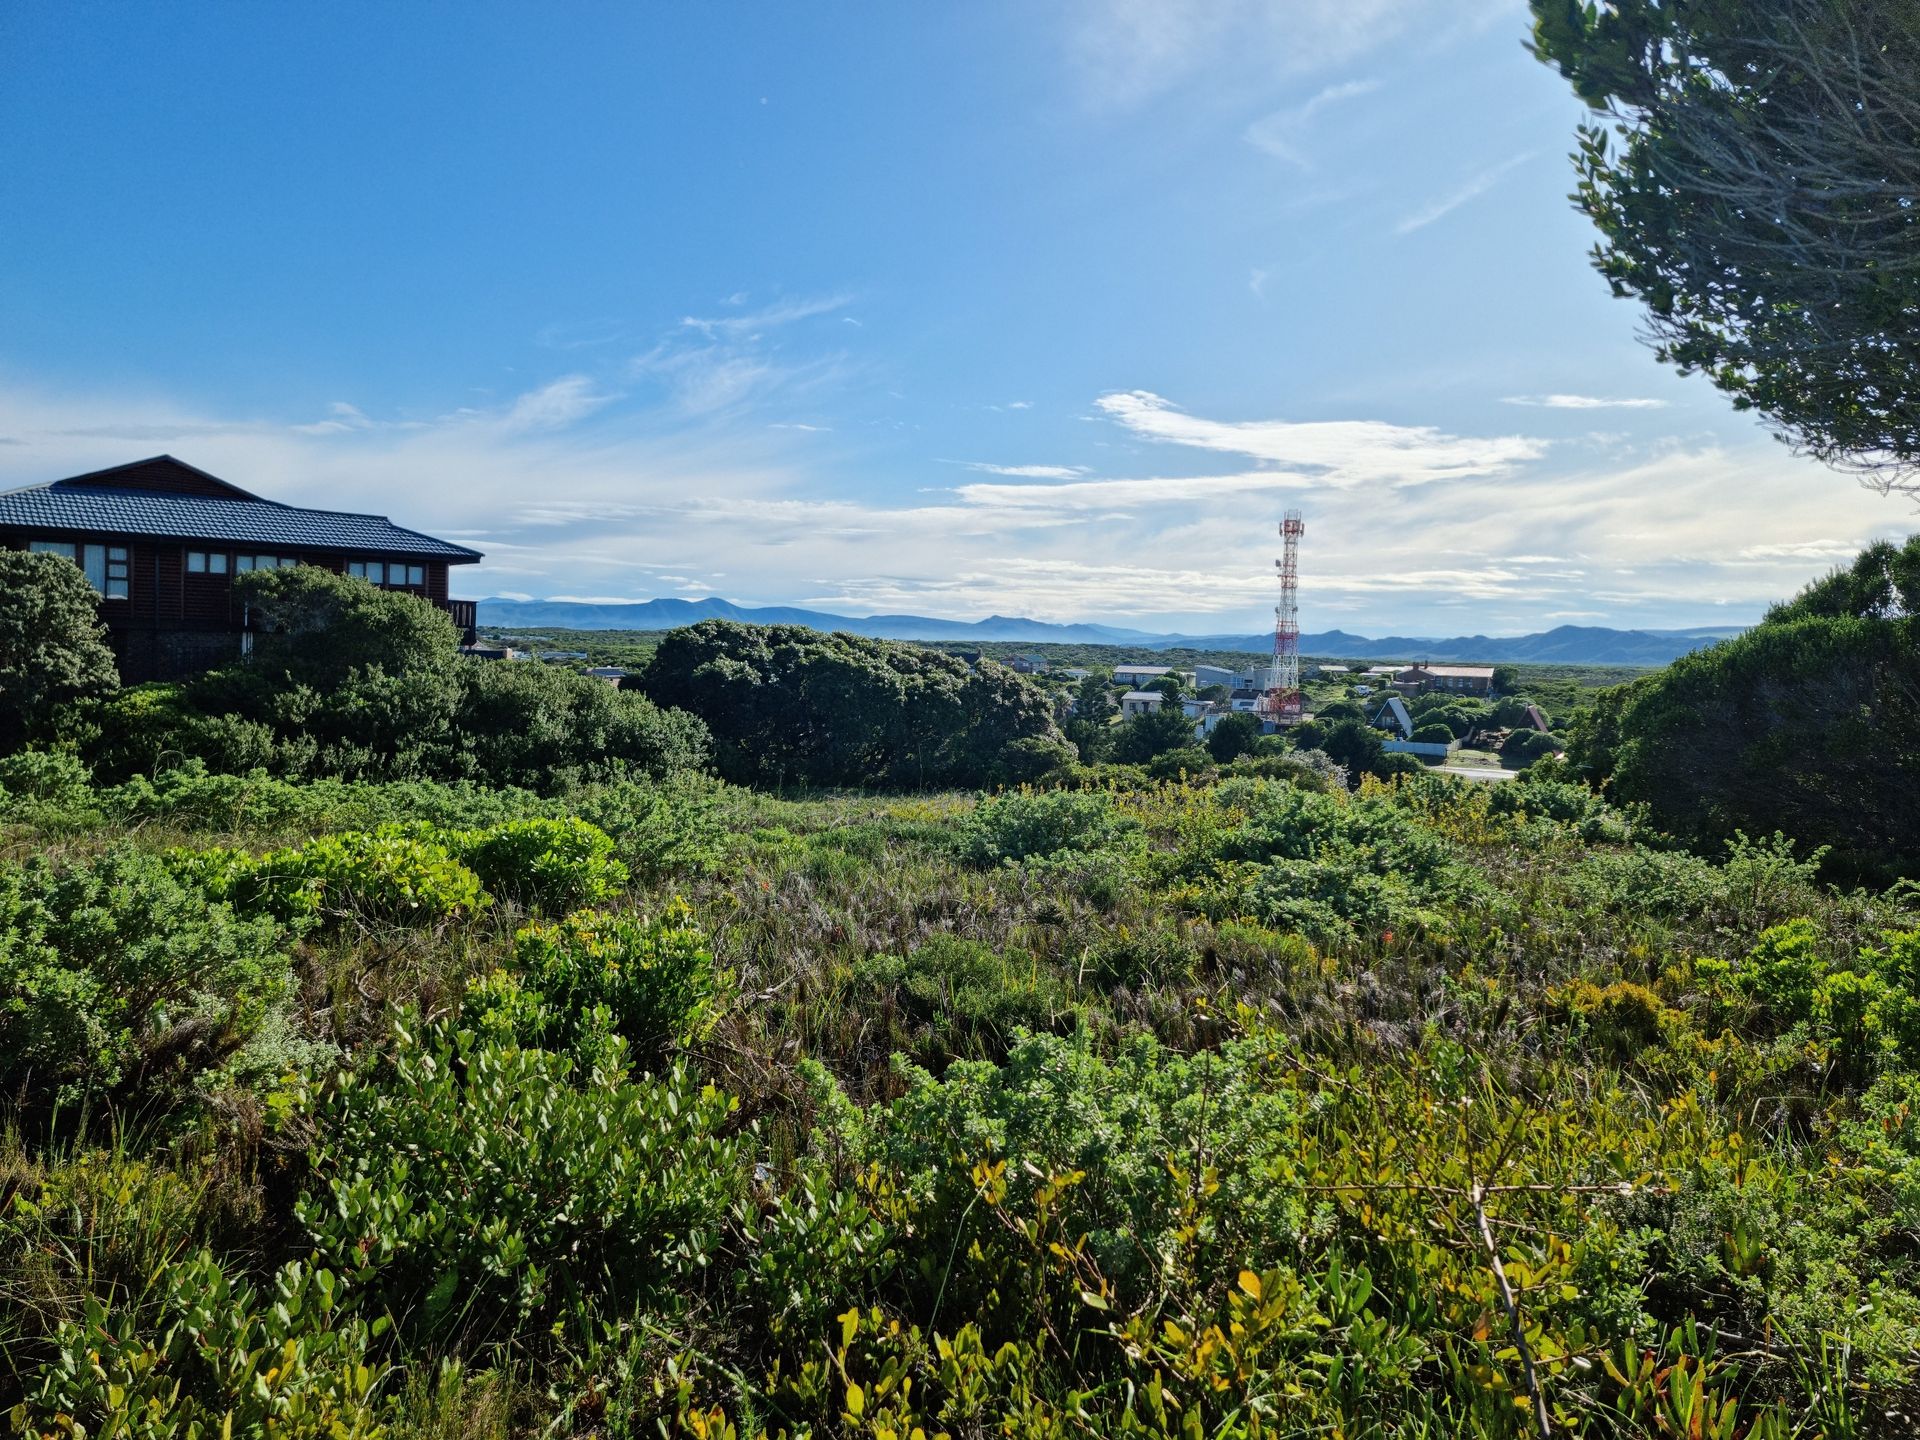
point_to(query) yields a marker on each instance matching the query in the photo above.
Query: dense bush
(53, 647)
(355, 682)
(436, 1172)
(1808, 724)
(116, 973)
(653, 982)
(545, 864)
(788, 705)
(1135, 1106)
(1024, 826)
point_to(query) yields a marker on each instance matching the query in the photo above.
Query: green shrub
(1433, 735)
(550, 865)
(1131, 1125)
(219, 1359)
(115, 970)
(399, 874)
(654, 978)
(1023, 826)
(478, 1187)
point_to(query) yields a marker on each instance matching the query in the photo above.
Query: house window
(105, 566)
(206, 562)
(388, 573)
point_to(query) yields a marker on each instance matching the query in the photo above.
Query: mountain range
(1565, 644)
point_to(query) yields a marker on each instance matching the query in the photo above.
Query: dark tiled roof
(67, 505)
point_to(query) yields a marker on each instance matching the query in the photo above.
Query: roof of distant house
(112, 501)
(1244, 694)
(1154, 695)
(1454, 672)
(1143, 669)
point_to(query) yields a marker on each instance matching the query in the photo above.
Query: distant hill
(1563, 645)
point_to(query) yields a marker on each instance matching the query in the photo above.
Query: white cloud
(1334, 452)
(1472, 190)
(555, 405)
(781, 312)
(1030, 472)
(1584, 402)
(1282, 133)
(1129, 51)
(611, 508)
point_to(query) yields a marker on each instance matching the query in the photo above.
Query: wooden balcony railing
(466, 618)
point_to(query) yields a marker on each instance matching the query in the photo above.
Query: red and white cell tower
(1281, 703)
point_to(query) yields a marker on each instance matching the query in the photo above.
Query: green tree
(1808, 724)
(1151, 733)
(53, 647)
(1756, 191)
(1355, 745)
(1233, 736)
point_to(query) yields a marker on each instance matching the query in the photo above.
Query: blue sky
(961, 309)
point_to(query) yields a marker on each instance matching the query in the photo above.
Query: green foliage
(1806, 724)
(545, 864)
(1151, 733)
(435, 1174)
(1758, 206)
(396, 874)
(954, 997)
(1024, 825)
(653, 982)
(53, 648)
(1233, 736)
(357, 682)
(217, 1357)
(1436, 734)
(788, 705)
(114, 973)
(1168, 1106)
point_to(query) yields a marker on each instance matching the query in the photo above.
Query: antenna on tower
(1281, 704)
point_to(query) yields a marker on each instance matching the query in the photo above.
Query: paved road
(1476, 772)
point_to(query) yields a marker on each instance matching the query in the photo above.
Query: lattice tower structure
(1281, 703)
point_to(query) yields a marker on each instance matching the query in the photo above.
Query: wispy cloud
(579, 334)
(781, 312)
(1333, 452)
(1584, 402)
(1031, 472)
(1130, 51)
(1282, 134)
(1472, 190)
(555, 406)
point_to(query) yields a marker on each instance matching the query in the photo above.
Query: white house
(1244, 700)
(1075, 673)
(1140, 702)
(1137, 675)
(1195, 709)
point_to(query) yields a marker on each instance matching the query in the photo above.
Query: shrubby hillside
(394, 1045)
(405, 1108)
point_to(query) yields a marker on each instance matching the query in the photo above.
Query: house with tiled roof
(161, 541)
